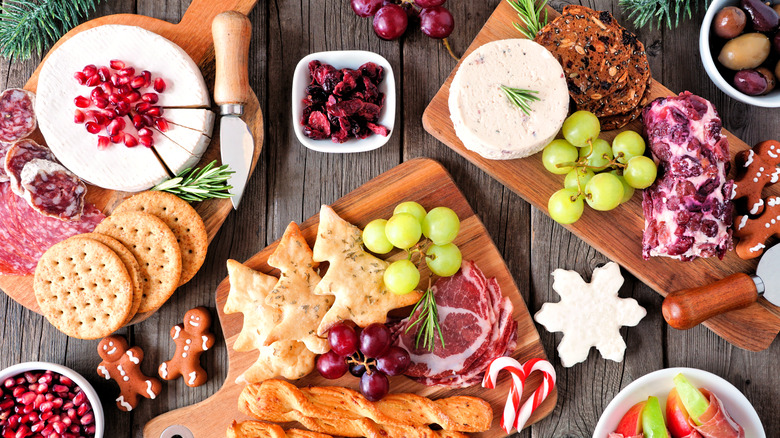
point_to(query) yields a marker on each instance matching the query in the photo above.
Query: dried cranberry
(681, 245)
(378, 129)
(373, 72)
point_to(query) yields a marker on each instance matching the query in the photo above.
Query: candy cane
(515, 415)
(541, 392)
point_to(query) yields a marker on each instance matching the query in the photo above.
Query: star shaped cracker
(590, 314)
(248, 291)
(301, 310)
(354, 276)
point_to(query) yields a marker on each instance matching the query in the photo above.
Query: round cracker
(133, 268)
(83, 288)
(182, 219)
(154, 245)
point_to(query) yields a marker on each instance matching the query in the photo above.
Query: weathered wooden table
(291, 183)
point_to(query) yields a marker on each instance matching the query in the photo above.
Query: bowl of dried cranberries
(343, 101)
(46, 399)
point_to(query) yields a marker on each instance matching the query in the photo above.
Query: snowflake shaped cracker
(590, 314)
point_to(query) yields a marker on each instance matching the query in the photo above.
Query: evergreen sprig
(199, 184)
(531, 16)
(658, 12)
(28, 26)
(427, 321)
(521, 98)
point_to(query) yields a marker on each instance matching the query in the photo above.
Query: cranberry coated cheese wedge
(485, 119)
(159, 76)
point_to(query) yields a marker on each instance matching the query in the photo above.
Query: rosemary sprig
(33, 25)
(194, 185)
(521, 98)
(427, 321)
(659, 12)
(531, 15)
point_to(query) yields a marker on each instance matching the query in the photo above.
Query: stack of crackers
(90, 285)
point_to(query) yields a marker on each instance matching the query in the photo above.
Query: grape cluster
(368, 355)
(598, 173)
(404, 230)
(391, 17)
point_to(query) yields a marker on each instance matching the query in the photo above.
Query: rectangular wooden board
(427, 182)
(617, 233)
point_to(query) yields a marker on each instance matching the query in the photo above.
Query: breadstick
(275, 400)
(258, 429)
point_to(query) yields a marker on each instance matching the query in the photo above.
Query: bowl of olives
(739, 43)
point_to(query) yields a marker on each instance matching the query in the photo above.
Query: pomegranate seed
(57, 402)
(78, 116)
(117, 138)
(81, 78)
(122, 108)
(114, 79)
(133, 96)
(63, 388)
(147, 77)
(148, 120)
(100, 102)
(159, 85)
(19, 381)
(127, 71)
(124, 80)
(6, 404)
(101, 120)
(68, 405)
(97, 92)
(27, 398)
(138, 121)
(113, 98)
(130, 141)
(107, 88)
(143, 107)
(92, 81)
(114, 128)
(27, 408)
(37, 427)
(89, 70)
(104, 74)
(42, 389)
(58, 426)
(83, 409)
(65, 380)
(138, 82)
(81, 101)
(145, 132)
(14, 421)
(146, 140)
(49, 396)
(123, 89)
(22, 432)
(90, 429)
(48, 431)
(103, 142)
(155, 111)
(47, 377)
(161, 124)
(88, 419)
(92, 128)
(117, 64)
(150, 97)
(32, 417)
(18, 391)
(9, 433)
(46, 406)
(71, 414)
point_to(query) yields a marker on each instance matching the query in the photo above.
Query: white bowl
(659, 383)
(77, 378)
(343, 59)
(709, 59)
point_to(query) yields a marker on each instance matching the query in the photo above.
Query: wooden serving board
(193, 34)
(617, 233)
(422, 180)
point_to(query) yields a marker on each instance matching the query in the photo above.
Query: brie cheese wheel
(486, 121)
(119, 167)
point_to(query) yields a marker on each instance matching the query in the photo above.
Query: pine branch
(28, 26)
(195, 185)
(658, 12)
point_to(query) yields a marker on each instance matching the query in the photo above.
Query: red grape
(357, 369)
(390, 22)
(374, 340)
(429, 3)
(343, 339)
(366, 8)
(436, 22)
(331, 365)
(374, 386)
(394, 362)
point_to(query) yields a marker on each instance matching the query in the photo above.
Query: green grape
(374, 237)
(628, 143)
(600, 156)
(640, 172)
(580, 127)
(441, 225)
(557, 152)
(401, 277)
(443, 260)
(565, 206)
(585, 174)
(628, 191)
(604, 192)
(403, 230)
(412, 208)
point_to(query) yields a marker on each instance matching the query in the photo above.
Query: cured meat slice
(688, 210)
(18, 121)
(717, 423)
(3, 150)
(21, 153)
(25, 234)
(53, 190)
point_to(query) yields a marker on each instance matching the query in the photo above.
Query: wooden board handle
(231, 31)
(687, 308)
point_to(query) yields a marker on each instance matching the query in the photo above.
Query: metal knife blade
(768, 272)
(237, 147)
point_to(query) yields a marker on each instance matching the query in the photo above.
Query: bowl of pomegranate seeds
(343, 101)
(46, 399)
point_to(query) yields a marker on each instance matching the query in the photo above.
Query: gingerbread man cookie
(192, 338)
(123, 364)
(754, 232)
(757, 168)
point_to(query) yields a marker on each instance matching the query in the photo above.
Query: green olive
(745, 51)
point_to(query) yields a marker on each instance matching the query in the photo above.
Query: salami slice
(53, 190)
(3, 150)
(21, 153)
(18, 116)
(26, 234)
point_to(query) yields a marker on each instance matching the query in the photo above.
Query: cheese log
(486, 121)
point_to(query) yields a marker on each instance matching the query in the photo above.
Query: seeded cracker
(83, 288)
(354, 276)
(182, 219)
(154, 246)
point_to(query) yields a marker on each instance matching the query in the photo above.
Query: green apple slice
(694, 401)
(653, 424)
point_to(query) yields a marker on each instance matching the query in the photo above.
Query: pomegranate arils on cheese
(119, 92)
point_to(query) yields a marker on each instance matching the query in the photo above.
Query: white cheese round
(485, 119)
(119, 167)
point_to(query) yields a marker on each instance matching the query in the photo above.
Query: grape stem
(359, 359)
(449, 49)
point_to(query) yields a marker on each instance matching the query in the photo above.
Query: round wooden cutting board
(193, 34)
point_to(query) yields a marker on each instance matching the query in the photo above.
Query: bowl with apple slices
(679, 403)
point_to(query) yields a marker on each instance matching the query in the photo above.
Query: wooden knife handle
(687, 308)
(231, 31)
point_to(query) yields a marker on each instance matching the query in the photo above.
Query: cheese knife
(231, 31)
(687, 308)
